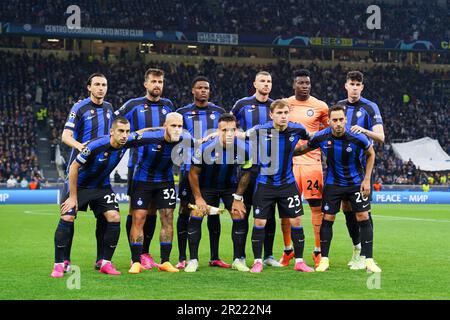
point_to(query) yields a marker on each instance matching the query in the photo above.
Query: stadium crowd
(17, 123)
(410, 106)
(403, 20)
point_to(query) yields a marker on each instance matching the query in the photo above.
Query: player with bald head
(153, 182)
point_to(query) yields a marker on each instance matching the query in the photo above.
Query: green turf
(411, 246)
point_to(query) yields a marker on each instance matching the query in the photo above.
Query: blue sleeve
(124, 110)
(171, 106)
(73, 118)
(197, 156)
(237, 108)
(314, 142)
(301, 131)
(254, 130)
(367, 143)
(374, 115)
(86, 154)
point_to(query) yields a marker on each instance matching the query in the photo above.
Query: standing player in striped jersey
(312, 113)
(347, 179)
(153, 181)
(276, 183)
(249, 112)
(88, 119)
(363, 116)
(88, 184)
(145, 112)
(199, 118)
(214, 176)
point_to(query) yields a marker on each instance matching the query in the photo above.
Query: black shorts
(163, 195)
(286, 196)
(333, 196)
(130, 179)
(212, 197)
(248, 194)
(184, 188)
(99, 200)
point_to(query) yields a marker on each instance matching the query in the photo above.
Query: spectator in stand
(402, 20)
(12, 182)
(24, 183)
(377, 185)
(34, 184)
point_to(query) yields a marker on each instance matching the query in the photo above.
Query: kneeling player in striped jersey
(153, 181)
(347, 179)
(89, 185)
(213, 176)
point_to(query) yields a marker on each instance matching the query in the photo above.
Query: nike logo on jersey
(297, 211)
(156, 150)
(89, 118)
(145, 110)
(365, 205)
(104, 159)
(171, 203)
(250, 110)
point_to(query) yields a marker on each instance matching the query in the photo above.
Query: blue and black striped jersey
(158, 157)
(250, 112)
(220, 164)
(143, 113)
(363, 113)
(345, 156)
(275, 151)
(200, 121)
(99, 159)
(88, 121)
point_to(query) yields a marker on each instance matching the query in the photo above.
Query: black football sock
(194, 236)
(258, 236)
(165, 248)
(298, 239)
(366, 238)
(246, 227)
(182, 233)
(214, 235)
(238, 236)
(269, 238)
(111, 239)
(100, 230)
(136, 251)
(149, 231)
(128, 227)
(62, 238)
(352, 227)
(326, 235)
(68, 248)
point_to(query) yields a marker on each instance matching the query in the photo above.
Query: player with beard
(144, 112)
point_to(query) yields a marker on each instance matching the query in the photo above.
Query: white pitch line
(46, 213)
(409, 218)
(41, 213)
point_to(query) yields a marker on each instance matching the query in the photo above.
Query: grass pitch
(411, 246)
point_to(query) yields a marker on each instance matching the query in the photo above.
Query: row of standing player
(85, 123)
